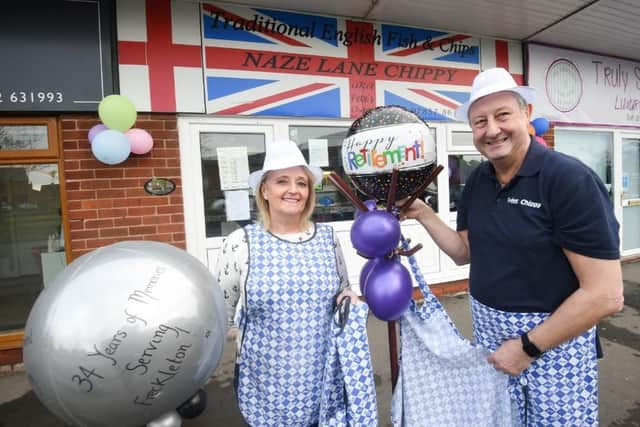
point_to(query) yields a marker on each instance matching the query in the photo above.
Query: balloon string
(391, 197)
(421, 189)
(346, 191)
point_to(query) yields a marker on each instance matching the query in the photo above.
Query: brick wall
(549, 138)
(108, 204)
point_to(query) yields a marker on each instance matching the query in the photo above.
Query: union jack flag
(254, 61)
(294, 64)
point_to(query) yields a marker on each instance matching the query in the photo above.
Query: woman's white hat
(492, 81)
(283, 154)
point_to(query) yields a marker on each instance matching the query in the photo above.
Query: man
(539, 231)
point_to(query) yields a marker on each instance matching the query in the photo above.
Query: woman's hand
(350, 294)
(232, 333)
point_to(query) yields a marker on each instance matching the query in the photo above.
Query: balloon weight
(194, 406)
(376, 233)
(388, 289)
(124, 334)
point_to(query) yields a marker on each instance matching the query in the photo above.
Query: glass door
(31, 238)
(630, 198)
(31, 222)
(216, 157)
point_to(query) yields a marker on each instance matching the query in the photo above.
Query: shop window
(31, 238)
(460, 167)
(215, 213)
(331, 205)
(461, 139)
(31, 231)
(462, 159)
(595, 149)
(22, 138)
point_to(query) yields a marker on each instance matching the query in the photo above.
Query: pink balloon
(141, 140)
(541, 141)
(96, 130)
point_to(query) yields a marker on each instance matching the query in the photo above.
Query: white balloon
(124, 334)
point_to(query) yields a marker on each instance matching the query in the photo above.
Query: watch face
(563, 84)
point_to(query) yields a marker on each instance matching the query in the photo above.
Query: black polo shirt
(516, 233)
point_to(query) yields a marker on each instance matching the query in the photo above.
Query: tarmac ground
(619, 372)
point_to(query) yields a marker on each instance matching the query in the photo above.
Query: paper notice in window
(236, 205)
(233, 164)
(319, 152)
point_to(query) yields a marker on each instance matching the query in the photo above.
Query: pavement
(619, 372)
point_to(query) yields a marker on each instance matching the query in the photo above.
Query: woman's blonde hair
(263, 205)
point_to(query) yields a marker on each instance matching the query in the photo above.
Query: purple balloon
(375, 234)
(364, 273)
(371, 206)
(96, 130)
(389, 289)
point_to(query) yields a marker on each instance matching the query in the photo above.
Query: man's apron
(560, 388)
(445, 380)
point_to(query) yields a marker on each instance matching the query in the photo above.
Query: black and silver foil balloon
(384, 138)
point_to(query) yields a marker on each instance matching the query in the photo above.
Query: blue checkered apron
(286, 322)
(558, 389)
(349, 391)
(444, 380)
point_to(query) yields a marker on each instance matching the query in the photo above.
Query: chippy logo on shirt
(524, 202)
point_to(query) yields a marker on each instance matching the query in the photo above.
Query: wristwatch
(528, 347)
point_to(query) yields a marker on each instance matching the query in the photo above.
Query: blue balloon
(111, 147)
(540, 125)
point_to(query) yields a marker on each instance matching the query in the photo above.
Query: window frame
(11, 341)
(53, 149)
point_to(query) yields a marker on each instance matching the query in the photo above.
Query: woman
(280, 278)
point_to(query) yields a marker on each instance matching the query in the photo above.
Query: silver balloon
(170, 419)
(124, 334)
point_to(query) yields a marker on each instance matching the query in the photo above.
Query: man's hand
(510, 358)
(416, 210)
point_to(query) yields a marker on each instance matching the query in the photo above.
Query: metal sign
(57, 55)
(159, 186)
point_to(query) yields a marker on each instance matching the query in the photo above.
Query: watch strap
(528, 347)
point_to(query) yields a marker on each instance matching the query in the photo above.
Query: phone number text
(41, 97)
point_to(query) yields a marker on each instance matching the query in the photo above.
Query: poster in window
(233, 166)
